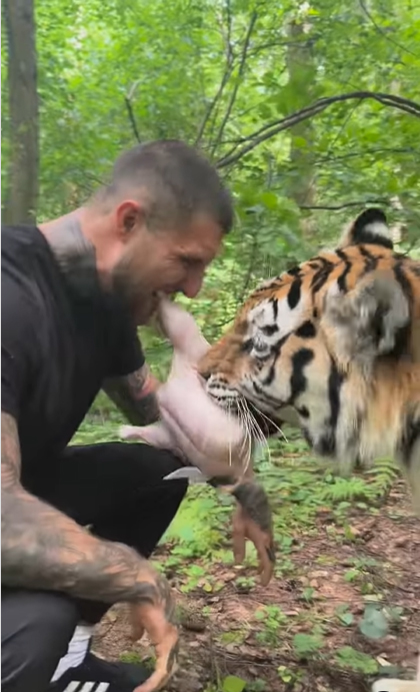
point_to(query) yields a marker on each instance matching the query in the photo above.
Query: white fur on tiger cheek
(264, 314)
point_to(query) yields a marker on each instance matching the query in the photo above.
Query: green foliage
(273, 619)
(307, 645)
(214, 74)
(347, 657)
(344, 615)
(287, 675)
(233, 684)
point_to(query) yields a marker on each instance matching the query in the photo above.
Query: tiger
(336, 342)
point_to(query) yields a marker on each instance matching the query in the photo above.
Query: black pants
(118, 489)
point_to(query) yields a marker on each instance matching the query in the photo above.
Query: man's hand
(253, 520)
(159, 623)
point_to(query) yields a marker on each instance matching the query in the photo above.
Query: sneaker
(97, 675)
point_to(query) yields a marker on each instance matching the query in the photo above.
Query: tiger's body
(337, 340)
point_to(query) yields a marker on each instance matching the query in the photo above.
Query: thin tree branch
(345, 205)
(381, 31)
(232, 100)
(276, 44)
(273, 128)
(226, 75)
(128, 98)
(366, 152)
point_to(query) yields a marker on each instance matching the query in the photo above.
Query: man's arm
(42, 548)
(135, 395)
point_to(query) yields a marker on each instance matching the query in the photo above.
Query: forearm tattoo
(135, 396)
(254, 502)
(44, 549)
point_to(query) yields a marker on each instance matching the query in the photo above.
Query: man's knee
(35, 632)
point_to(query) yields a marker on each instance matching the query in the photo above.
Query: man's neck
(74, 252)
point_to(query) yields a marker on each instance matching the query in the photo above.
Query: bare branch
(128, 98)
(383, 33)
(242, 63)
(366, 152)
(273, 128)
(225, 78)
(345, 205)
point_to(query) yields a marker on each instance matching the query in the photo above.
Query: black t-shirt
(58, 345)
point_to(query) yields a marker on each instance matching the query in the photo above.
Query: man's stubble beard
(132, 293)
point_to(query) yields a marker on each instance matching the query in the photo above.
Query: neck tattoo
(75, 256)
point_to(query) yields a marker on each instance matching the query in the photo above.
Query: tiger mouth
(263, 420)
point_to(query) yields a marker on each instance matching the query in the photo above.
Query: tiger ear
(370, 227)
(368, 322)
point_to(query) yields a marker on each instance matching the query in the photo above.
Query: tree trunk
(302, 79)
(22, 188)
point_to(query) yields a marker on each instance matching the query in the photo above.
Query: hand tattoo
(135, 396)
(44, 549)
(254, 502)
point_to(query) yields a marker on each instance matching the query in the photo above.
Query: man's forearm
(135, 396)
(43, 548)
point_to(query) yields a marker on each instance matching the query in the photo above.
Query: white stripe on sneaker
(87, 686)
(72, 687)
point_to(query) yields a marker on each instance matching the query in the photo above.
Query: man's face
(167, 261)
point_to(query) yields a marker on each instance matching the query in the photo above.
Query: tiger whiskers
(246, 453)
(255, 432)
(270, 420)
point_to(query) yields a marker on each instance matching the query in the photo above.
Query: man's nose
(192, 284)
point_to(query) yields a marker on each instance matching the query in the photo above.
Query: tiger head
(337, 341)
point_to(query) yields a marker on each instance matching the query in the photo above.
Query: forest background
(311, 113)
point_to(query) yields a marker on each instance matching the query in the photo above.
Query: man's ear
(129, 216)
(368, 322)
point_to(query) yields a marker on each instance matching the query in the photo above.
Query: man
(78, 523)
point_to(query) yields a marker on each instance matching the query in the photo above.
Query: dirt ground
(222, 635)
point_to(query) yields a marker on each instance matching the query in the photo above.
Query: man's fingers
(165, 639)
(165, 668)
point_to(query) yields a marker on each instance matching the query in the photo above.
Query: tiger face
(336, 341)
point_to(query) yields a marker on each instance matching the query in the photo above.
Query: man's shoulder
(19, 235)
(19, 295)
(19, 245)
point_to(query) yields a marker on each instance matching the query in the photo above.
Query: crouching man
(73, 292)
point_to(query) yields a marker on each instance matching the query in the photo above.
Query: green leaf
(346, 618)
(233, 684)
(374, 624)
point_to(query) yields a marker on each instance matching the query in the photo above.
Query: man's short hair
(178, 182)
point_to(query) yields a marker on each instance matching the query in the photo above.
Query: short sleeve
(128, 352)
(17, 346)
